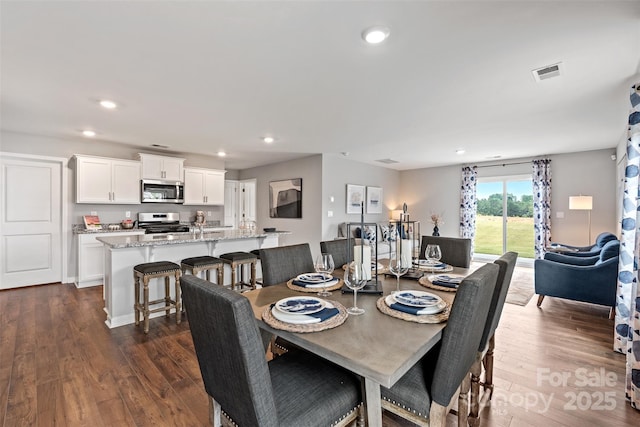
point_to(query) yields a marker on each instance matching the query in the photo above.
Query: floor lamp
(582, 203)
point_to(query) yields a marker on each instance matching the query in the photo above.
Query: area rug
(521, 289)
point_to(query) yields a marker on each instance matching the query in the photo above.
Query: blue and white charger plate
(314, 278)
(419, 299)
(300, 305)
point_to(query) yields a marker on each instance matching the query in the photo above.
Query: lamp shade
(581, 203)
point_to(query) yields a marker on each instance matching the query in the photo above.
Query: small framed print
(374, 200)
(355, 198)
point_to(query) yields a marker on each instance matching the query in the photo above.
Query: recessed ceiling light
(375, 35)
(460, 151)
(88, 133)
(109, 105)
(268, 139)
(221, 154)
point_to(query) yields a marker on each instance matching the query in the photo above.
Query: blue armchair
(587, 279)
(589, 251)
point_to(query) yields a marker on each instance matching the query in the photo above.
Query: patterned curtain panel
(541, 205)
(468, 204)
(627, 329)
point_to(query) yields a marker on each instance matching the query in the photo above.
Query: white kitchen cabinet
(231, 204)
(91, 257)
(203, 186)
(162, 167)
(104, 180)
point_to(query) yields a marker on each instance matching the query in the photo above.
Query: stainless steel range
(161, 222)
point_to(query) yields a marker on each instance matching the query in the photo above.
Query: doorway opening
(504, 219)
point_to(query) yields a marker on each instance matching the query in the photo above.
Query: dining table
(375, 346)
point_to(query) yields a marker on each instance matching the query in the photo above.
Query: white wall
(306, 229)
(337, 172)
(437, 190)
(591, 173)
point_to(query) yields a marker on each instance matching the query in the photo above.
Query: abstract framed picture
(355, 198)
(285, 198)
(374, 200)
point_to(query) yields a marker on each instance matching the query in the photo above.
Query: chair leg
(253, 275)
(463, 401)
(220, 271)
(215, 412)
(167, 297)
(178, 299)
(146, 314)
(136, 308)
(233, 276)
(474, 411)
(540, 298)
(438, 415)
(488, 367)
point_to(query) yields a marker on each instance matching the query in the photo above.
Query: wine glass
(433, 253)
(398, 265)
(355, 279)
(324, 265)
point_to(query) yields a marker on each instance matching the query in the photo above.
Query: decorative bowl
(127, 225)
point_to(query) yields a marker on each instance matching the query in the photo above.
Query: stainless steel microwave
(153, 191)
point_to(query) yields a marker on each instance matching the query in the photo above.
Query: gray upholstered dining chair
(296, 389)
(339, 250)
(285, 262)
(425, 393)
(506, 264)
(455, 251)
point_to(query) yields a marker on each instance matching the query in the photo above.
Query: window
(505, 216)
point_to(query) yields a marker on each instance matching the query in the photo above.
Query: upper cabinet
(203, 186)
(161, 167)
(104, 180)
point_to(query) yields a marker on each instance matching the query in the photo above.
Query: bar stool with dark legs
(152, 270)
(239, 260)
(204, 263)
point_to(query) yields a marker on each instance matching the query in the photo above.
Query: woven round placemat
(427, 284)
(422, 318)
(333, 322)
(293, 287)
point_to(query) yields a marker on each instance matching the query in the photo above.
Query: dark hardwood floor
(61, 366)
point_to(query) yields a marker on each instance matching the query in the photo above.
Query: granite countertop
(80, 229)
(136, 241)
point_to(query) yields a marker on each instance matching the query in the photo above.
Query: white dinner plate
(427, 262)
(297, 319)
(434, 309)
(314, 278)
(448, 278)
(418, 299)
(300, 305)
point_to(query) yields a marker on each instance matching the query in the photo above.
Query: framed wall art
(374, 200)
(355, 198)
(285, 198)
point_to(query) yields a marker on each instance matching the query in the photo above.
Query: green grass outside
(489, 235)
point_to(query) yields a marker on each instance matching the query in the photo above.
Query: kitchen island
(122, 253)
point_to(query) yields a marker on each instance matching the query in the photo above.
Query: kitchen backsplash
(114, 214)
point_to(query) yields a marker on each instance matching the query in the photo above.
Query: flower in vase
(436, 219)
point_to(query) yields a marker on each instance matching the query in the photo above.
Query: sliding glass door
(505, 216)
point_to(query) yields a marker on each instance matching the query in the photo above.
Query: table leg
(372, 402)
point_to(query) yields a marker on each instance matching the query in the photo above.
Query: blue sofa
(588, 279)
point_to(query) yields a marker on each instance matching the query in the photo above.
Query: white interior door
(31, 222)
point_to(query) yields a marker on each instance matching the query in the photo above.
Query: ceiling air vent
(159, 146)
(387, 161)
(547, 72)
